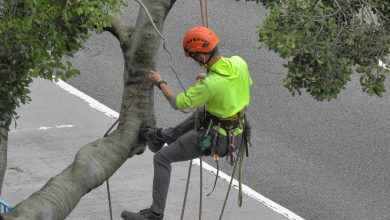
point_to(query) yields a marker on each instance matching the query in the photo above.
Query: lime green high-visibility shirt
(225, 90)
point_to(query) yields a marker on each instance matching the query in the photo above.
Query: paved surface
(56, 124)
(323, 161)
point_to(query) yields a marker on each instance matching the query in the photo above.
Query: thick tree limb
(97, 161)
(3, 153)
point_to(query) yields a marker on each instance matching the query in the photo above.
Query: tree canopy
(38, 37)
(95, 162)
(325, 41)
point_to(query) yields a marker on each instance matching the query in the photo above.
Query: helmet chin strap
(206, 64)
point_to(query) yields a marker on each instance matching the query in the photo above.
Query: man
(224, 92)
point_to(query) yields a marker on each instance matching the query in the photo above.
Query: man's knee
(160, 158)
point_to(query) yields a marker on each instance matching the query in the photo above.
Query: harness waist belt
(228, 123)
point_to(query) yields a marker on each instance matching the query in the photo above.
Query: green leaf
(27, 24)
(121, 11)
(79, 11)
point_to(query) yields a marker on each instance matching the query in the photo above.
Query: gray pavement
(56, 124)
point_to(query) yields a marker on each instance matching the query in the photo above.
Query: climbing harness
(228, 125)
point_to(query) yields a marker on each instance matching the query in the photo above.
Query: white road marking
(247, 190)
(64, 126)
(250, 192)
(92, 102)
(44, 128)
(58, 126)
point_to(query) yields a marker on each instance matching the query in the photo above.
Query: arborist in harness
(224, 93)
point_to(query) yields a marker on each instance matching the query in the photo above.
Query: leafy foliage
(324, 41)
(38, 37)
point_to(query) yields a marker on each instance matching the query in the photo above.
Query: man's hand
(201, 76)
(153, 76)
(168, 92)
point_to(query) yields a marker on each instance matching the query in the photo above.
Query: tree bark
(3, 152)
(97, 161)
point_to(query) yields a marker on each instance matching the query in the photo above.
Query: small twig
(373, 7)
(340, 9)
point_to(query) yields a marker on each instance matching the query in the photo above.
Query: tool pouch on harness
(212, 142)
(205, 143)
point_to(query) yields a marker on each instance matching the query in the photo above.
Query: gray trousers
(183, 144)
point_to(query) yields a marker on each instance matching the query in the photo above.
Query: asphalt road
(321, 160)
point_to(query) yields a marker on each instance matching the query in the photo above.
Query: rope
(109, 198)
(204, 13)
(167, 51)
(205, 23)
(200, 188)
(230, 183)
(108, 131)
(203, 7)
(127, 107)
(186, 191)
(197, 125)
(241, 158)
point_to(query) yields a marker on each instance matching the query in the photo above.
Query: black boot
(152, 135)
(145, 214)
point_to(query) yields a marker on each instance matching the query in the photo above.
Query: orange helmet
(199, 39)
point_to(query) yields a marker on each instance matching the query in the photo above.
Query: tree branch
(120, 32)
(97, 161)
(3, 152)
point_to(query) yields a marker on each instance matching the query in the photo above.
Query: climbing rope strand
(216, 178)
(109, 130)
(204, 13)
(127, 107)
(109, 198)
(173, 69)
(168, 52)
(186, 191)
(151, 19)
(241, 160)
(230, 183)
(200, 188)
(203, 10)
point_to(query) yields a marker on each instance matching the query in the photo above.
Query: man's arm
(193, 97)
(169, 94)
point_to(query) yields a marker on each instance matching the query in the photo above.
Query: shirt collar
(221, 67)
